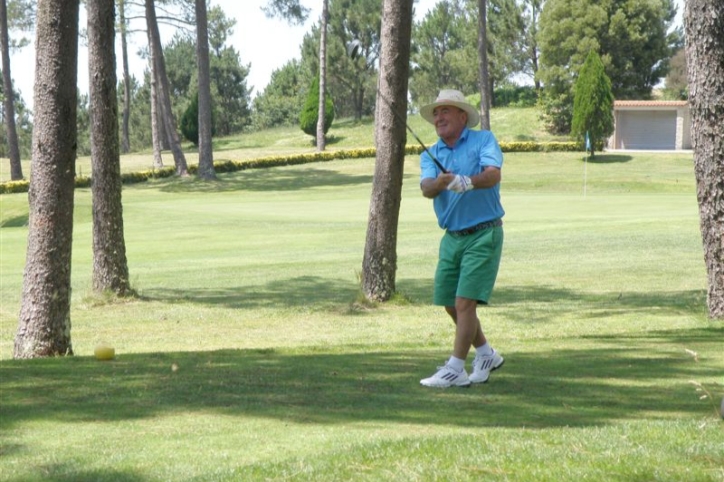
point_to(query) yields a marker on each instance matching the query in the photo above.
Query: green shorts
(467, 266)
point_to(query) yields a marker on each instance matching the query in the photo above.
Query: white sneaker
(447, 377)
(483, 365)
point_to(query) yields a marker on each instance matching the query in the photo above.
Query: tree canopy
(593, 102)
(546, 41)
(633, 39)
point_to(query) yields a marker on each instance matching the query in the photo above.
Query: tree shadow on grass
(527, 300)
(68, 472)
(292, 292)
(601, 304)
(333, 139)
(263, 180)
(555, 388)
(15, 222)
(534, 304)
(609, 159)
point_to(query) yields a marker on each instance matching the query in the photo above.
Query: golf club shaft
(399, 118)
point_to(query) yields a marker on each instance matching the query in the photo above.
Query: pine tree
(592, 102)
(310, 112)
(190, 121)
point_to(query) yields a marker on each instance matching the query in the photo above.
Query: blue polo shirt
(471, 154)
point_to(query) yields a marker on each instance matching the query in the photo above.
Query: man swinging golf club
(466, 200)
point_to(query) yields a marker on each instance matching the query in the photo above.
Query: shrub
(310, 112)
(190, 121)
(515, 96)
(10, 187)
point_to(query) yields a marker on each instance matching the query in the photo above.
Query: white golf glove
(460, 184)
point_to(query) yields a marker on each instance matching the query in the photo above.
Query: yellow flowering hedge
(292, 159)
(14, 186)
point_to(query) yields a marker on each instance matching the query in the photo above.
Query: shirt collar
(463, 137)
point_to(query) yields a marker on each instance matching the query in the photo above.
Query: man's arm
(489, 177)
(431, 187)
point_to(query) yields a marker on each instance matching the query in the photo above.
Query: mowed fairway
(249, 353)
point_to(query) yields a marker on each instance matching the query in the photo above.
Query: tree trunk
(163, 135)
(162, 88)
(16, 169)
(322, 76)
(379, 265)
(44, 321)
(156, 134)
(206, 154)
(483, 76)
(532, 44)
(359, 102)
(125, 136)
(704, 30)
(110, 268)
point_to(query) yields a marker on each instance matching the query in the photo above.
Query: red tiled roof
(650, 103)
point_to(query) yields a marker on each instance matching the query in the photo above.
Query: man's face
(449, 122)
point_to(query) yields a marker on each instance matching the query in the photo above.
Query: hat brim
(473, 114)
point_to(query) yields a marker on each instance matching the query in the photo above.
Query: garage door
(646, 129)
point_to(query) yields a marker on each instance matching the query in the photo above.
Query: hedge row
(292, 159)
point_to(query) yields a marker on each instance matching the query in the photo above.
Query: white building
(651, 125)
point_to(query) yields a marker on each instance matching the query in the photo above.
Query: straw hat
(454, 98)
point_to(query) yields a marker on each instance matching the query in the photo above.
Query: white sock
(456, 363)
(484, 350)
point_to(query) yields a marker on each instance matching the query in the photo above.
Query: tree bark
(704, 30)
(163, 137)
(125, 135)
(379, 265)
(322, 76)
(16, 169)
(155, 124)
(110, 267)
(162, 88)
(206, 154)
(44, 321)
(484, 78)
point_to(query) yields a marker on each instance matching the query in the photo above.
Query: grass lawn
(511, 124)
(249, 354)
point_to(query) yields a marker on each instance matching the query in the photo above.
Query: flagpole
(585, 174)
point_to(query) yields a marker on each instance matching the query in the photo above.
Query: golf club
(353, 50)
(399, 118)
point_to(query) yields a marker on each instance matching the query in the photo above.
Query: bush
(190, 122)
(310, 112)
(515, 96)
(11, 187)
(282, 99)
(557, 112)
